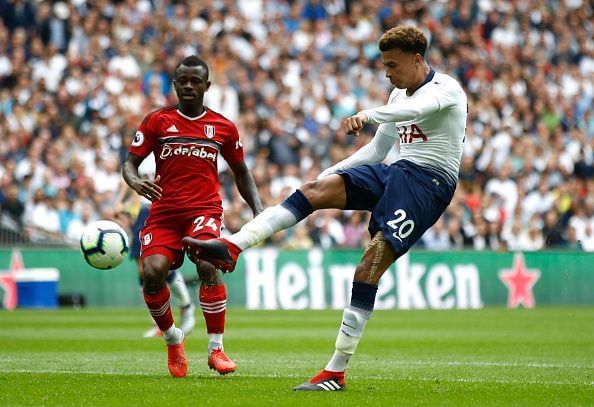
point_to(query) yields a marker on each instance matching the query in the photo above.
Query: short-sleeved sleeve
(145, 136)
(232, 150)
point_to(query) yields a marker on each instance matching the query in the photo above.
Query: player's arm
(400, 111)
(143, 187)
(373, 152)
(246, 186)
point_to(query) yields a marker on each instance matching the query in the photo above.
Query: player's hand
(355, 123)
(149, 189)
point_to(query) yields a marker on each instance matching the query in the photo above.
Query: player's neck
(424, 73)
(191, 110)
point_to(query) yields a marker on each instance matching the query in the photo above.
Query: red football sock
(158, 305)
(213, 300)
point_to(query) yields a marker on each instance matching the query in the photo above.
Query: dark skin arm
(143, 187)
(246, 186)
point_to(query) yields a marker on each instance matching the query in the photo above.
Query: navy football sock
(363, 298)
(298, 204)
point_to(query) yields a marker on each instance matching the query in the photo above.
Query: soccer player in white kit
(426, 113)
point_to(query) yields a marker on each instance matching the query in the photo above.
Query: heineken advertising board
(268, 278)
(322, 279)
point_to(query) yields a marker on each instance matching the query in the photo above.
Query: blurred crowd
(77, 77)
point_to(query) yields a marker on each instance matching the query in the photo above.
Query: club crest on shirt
(209, 130)
(138, 139)
(146, 239)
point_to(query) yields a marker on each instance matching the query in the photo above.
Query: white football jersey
(430, 125)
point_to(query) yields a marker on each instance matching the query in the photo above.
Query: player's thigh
(328, 192)
(363, 186)
(378, 256)
(406, 210)
(161, 239)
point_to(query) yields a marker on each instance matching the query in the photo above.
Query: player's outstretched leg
(223, 253)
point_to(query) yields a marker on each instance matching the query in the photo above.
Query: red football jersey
(186, 151)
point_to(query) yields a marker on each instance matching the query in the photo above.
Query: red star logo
(7, 280)
(519, 281)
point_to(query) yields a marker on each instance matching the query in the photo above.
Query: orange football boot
(176, 360)
(220, 362)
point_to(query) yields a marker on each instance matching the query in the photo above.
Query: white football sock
(179, 289)
(263, 226)
(173, 335)
(351, 329)
(215, 341)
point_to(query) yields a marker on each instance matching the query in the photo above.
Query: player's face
(401, 67)
(190, 83)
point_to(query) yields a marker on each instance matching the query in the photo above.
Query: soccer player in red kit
(186, 140)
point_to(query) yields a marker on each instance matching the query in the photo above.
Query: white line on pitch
(290, 375)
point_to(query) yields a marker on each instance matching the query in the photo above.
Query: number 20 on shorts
(402, 227)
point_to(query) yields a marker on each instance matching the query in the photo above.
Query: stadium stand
(76, 78)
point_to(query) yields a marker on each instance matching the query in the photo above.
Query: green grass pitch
(485, 357)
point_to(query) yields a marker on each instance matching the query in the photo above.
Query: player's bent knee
(328, 192)
(155, 268)
(310, 190)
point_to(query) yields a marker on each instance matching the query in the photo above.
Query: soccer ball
(104, 244)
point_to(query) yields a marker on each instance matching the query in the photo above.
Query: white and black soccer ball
(104, 244)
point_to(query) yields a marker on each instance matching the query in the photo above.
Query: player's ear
(207, 86)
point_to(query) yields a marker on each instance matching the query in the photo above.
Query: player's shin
(353, 323)
(213, 300)
(294, 209)
(159, 306)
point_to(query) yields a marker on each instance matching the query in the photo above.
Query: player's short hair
(192, 60)
(406, 38)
